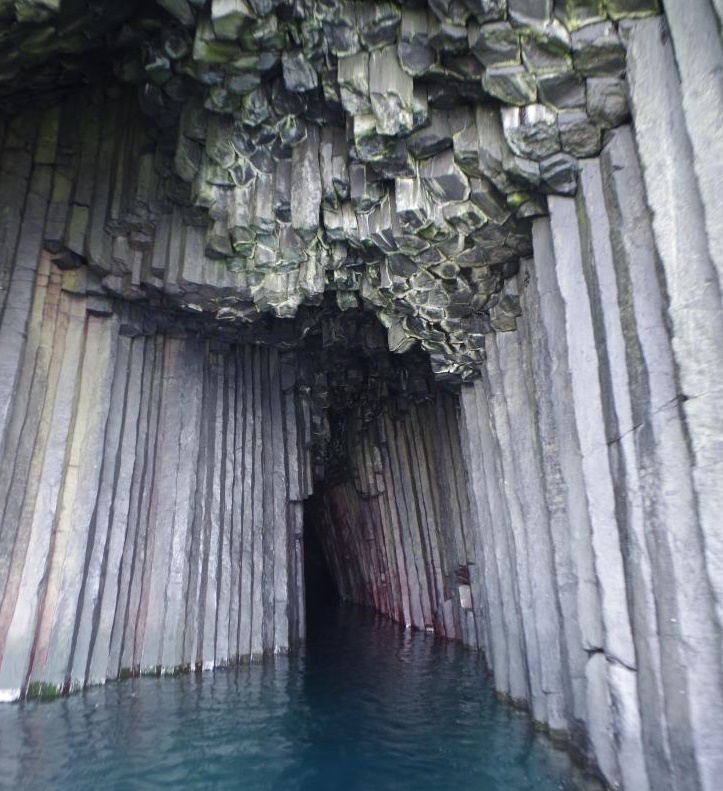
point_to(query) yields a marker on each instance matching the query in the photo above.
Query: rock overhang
(389, 154)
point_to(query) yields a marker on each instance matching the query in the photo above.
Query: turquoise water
(364, 706)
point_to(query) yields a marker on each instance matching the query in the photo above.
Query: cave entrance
(320, 590)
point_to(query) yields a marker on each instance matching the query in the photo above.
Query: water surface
(365, 705)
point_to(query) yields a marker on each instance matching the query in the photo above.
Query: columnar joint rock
(391, 155)
(231, 270)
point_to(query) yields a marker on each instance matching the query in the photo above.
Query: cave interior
(412, 304)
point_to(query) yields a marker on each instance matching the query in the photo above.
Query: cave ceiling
(387, 157)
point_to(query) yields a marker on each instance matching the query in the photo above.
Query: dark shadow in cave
(320, 589)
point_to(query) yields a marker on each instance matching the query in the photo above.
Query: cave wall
(562, 514)
(592, 443)
(397, 532)
(150, 493)
(251, 159)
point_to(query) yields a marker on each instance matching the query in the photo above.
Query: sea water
(363, 705)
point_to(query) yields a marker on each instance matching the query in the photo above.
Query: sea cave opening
(320, 589)
(411, 306)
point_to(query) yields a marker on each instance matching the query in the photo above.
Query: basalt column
(592, 443)
(150, 494)
(454, 268)
(397, 532)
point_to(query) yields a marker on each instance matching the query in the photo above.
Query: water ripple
(364, 706)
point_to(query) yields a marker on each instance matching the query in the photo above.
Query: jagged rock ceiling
(390, 153)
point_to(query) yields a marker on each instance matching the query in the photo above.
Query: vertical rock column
(150, 491)
(587, 474)
(686, 228)
(397, 534)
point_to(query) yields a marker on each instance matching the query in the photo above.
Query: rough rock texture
(307, 146)
(396, 530)
(150, 496)
(600, 572)
(267, 259)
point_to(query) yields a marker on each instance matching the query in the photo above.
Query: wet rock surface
(251, 250)
(366, 149)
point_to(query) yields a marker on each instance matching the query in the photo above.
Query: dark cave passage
(391, 515)
(320, 590)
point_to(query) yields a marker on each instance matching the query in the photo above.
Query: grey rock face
(558, 173)
(127, 480)
(607, 102)
(494, 44)
(598, 51)
(232, 234)
(299, 74)
(307, 140)
(579, 135)
(531, 131)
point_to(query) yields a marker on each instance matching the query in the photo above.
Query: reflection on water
(363, 706)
